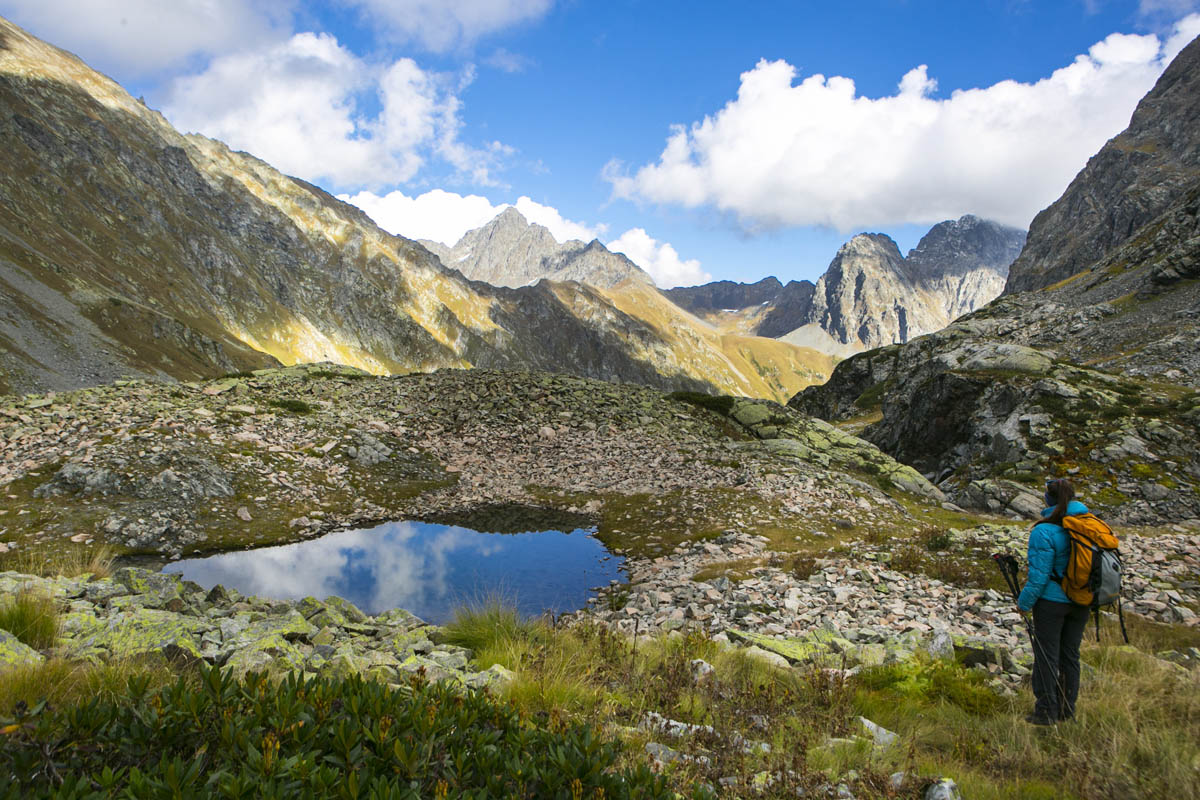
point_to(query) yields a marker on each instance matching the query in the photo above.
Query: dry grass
(1135, 734)
(60, 682)
(31, 617)
(68, 561)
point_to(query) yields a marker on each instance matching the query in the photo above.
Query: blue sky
(725, 139)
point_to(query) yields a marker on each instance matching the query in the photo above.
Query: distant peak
(871, 241)
(511, 215)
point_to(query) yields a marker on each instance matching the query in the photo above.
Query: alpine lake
(534, 563)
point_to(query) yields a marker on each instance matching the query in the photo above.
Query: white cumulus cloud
(313, 109)
(143, 36)
(444, 24)
(659, 259)
(562, 228)
(436, 215)
(815, 152)
(444, 217)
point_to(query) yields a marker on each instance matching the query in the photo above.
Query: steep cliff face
(1134, 178)
(871, 295)
(964, 263)
(1093, 376)
(511, 251)
(128, 249)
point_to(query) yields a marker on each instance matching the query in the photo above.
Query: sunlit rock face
(511, 251)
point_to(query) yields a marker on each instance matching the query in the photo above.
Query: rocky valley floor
(742, 521)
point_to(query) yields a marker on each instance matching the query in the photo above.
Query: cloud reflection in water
(424, 568)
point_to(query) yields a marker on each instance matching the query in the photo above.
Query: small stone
(941, 647)
(944, 789)
(702, 672)
(777, 660)
(881, 735)
(243, 514)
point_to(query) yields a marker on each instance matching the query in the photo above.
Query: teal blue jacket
(1049, 550)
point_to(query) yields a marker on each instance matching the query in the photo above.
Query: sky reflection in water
(424, 568)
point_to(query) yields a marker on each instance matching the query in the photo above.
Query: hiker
(1058, 623)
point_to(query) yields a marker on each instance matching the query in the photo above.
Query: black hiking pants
(1058, 629)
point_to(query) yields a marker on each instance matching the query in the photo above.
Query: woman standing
(1058, 623)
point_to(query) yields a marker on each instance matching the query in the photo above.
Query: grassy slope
(739, 364)
(1134, 735)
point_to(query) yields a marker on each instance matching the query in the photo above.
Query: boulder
(15, 653)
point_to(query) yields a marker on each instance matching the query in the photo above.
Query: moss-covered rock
(15, 653)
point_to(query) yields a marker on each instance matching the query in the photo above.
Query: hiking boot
(1039, 719)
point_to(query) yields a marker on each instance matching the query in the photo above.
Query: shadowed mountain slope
(129, 249)
(1094, 377)
(1137, 176)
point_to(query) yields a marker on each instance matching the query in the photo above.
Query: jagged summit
(512, 251)
(871, 294)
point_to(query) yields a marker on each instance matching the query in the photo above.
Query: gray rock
(944, 789)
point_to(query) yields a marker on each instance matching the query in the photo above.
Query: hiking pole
(1008, 568)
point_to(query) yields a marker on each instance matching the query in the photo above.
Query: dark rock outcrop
(1134, 178)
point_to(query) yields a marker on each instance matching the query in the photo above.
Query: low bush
(721, 404)
(801, 566)
(291, 404)
(935, 539)
(31, 617)
(69, 561)
(307, 737)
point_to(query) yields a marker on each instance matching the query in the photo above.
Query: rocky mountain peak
(1135, 177)
(512, 251)
(958, 246)
(879, 244)
(871, 294)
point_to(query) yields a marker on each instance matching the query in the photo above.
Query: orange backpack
(1093, 574)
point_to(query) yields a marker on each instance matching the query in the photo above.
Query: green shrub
(292, 405)
(801, 566)
(721, 404)
(935, 681)
(31, 617)
(310, 738)
(935, 539)
(335, 374)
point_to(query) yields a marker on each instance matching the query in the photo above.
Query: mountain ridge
(957, 266)
(1095, 375)
(129, 249)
